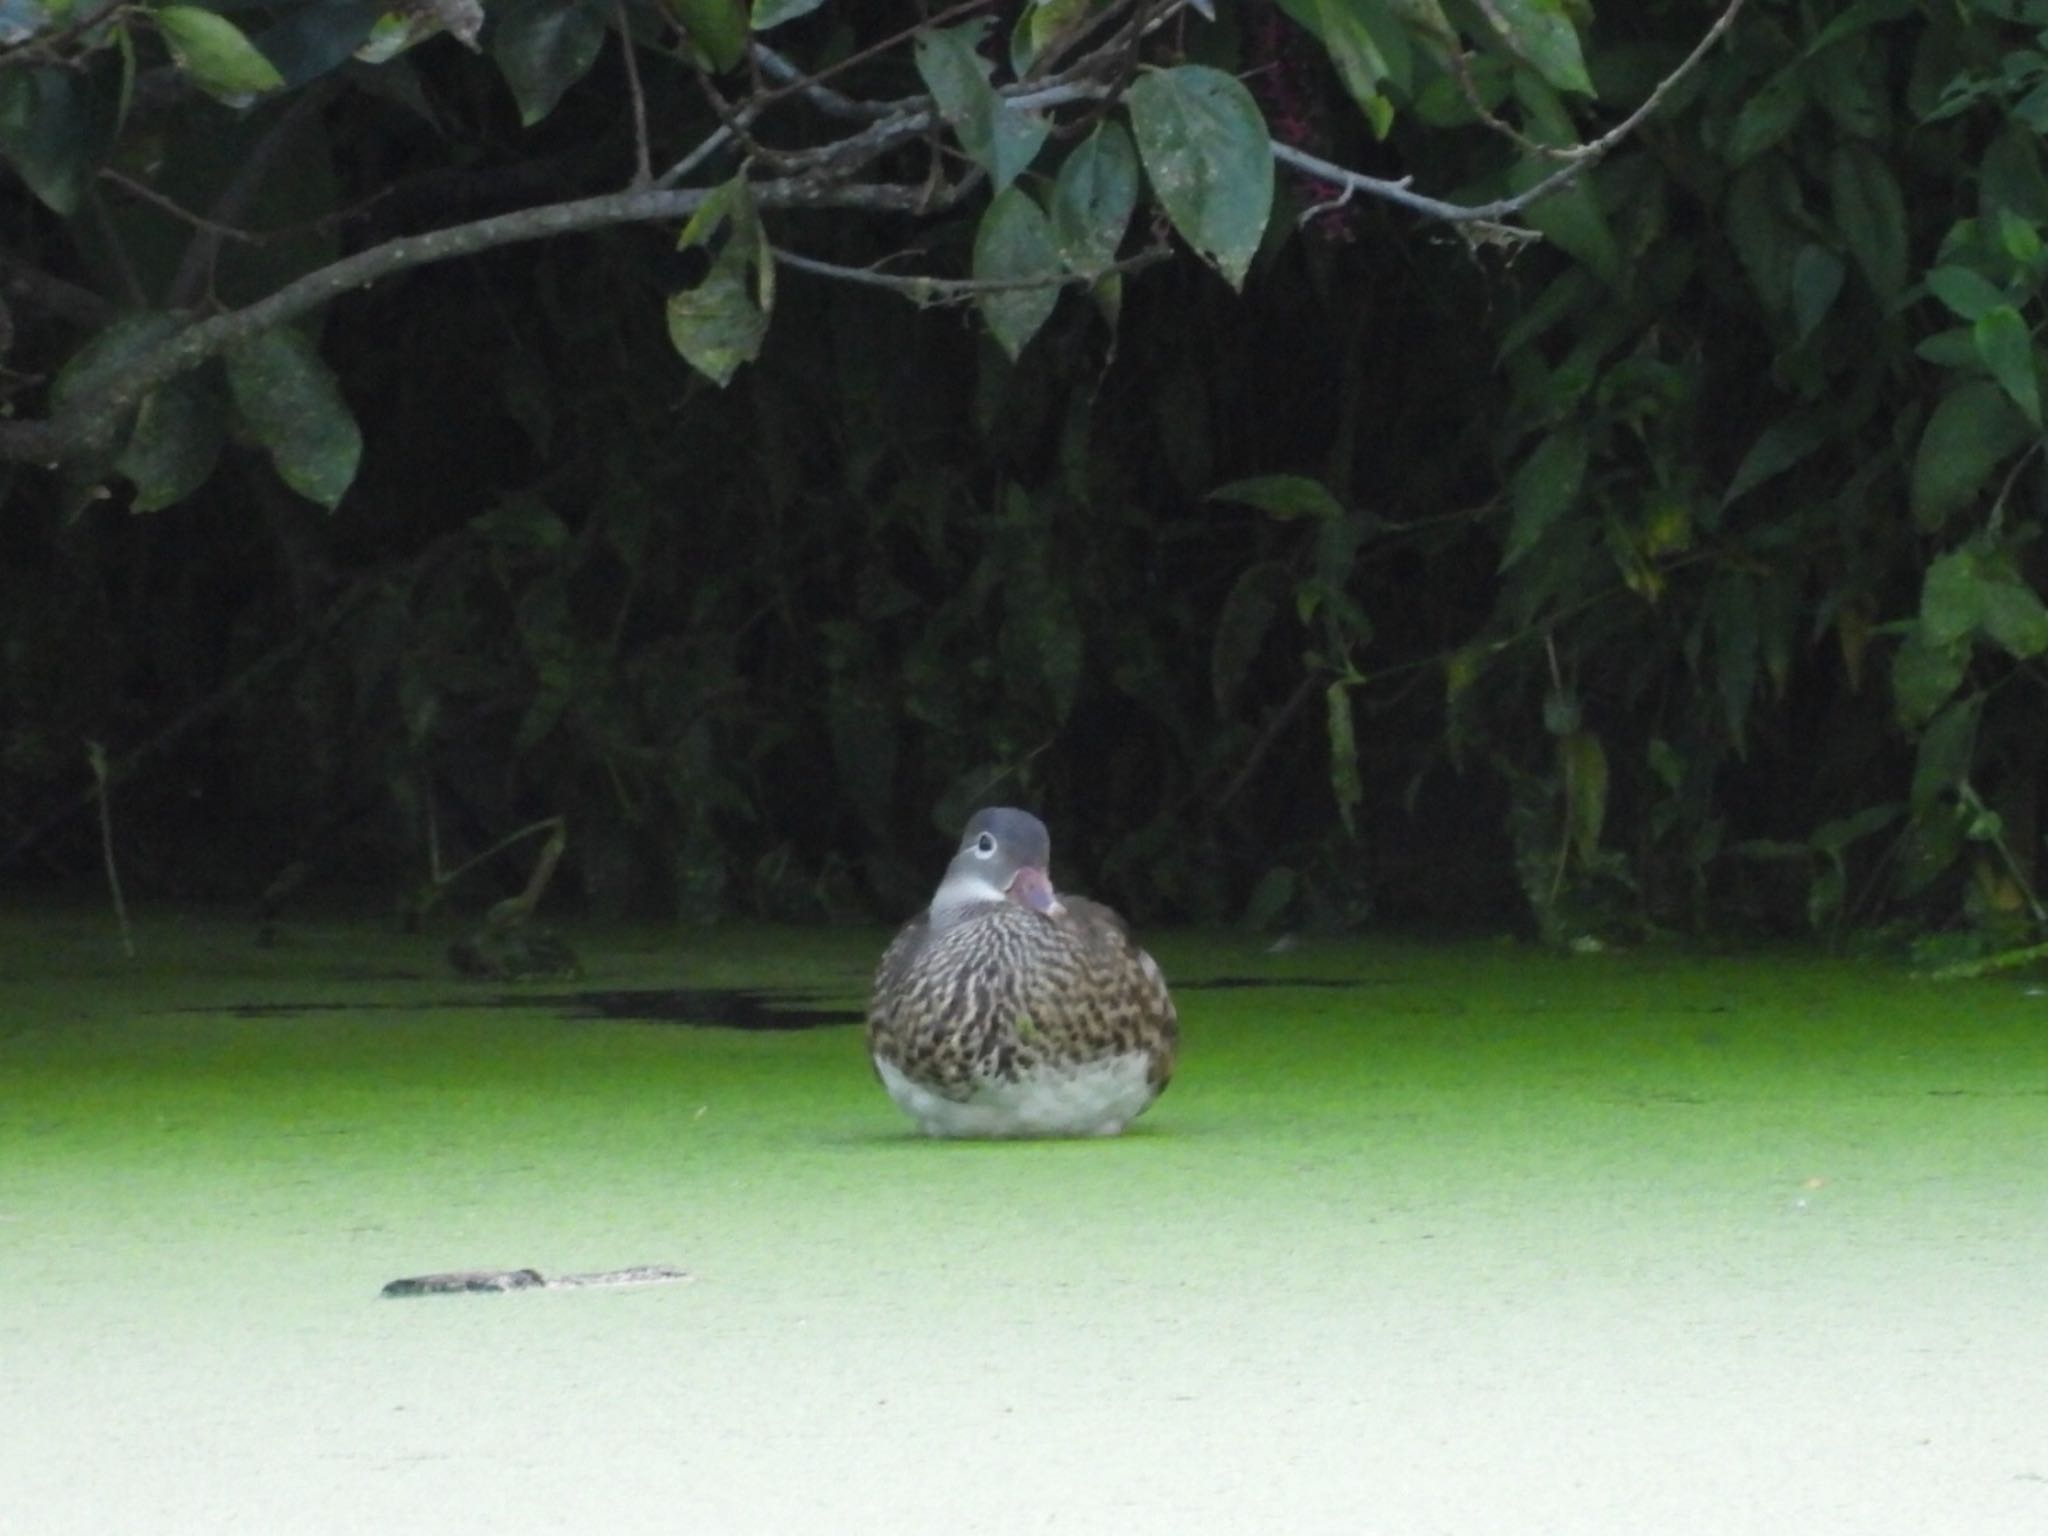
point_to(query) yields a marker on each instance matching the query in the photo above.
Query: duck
(1006, 1010)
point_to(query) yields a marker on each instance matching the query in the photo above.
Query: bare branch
(926, 290)
(88, 423)
(1578, 159)
(643, 164)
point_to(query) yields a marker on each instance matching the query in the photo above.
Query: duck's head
(1004, 855)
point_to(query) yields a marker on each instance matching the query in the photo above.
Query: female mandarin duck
(1003, 1010)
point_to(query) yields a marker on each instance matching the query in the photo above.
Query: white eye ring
(985, 846)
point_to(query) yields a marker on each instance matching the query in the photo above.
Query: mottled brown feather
(1004, 990)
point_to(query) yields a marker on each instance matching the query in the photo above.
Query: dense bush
(1657, 553)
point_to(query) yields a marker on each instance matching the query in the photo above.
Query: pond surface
(1491, 1241)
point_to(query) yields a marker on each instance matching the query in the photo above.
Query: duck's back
(1010, 1022)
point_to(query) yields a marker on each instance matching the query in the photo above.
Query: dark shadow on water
(748, 1008)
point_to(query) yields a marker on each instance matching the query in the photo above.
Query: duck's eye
(985, 845)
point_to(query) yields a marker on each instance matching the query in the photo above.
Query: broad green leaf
(1367, 56)
(1584, 761)
(1946, 748)
(1205, 148)
(102, 361)
(1777, 448)
(773, 13)
(717, 325)
(1282, 496)
(176, 442)
(997, 136)
(1955, 347)
(1256, 599)
(2012, 616)
(543, 47)
(1093, 198)
(1345, 784)
(1969, 294)
(718, 28)
(1571, 218)
(216, 54)
(1833, 838)
(2018, 239)
(1038, 23)
(1973, 431)
(1015, 244)
(1541, 32)
(1270, 898)
(1766, 118)
(1816, 283)
(1951, 598)
(1925, 677)
(1736, 619)
(46, 132)
(1545, 488)
(1844, 84)
(2007, 348)
(1766, 222)
(1871, 214)
(289, 399)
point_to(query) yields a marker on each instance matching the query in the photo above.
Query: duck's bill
(1032, 887)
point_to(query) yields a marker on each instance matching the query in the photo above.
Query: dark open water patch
(749, 1008)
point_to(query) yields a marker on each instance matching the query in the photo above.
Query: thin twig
(949, 290)
(1580, 158)
(643, 164)
(97, 756)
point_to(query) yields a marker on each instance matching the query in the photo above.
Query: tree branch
(89, 423)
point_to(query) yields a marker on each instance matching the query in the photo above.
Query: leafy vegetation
(1603, 481)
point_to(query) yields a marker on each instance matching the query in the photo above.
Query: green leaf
(717, 325)
(293, 407)
(543, 47)
(1345, 784)
(213, 51)
(1816, 283)
(2007, 348)
(997, 136)
(1255, 600)
(1972, 432)
(1206, 150)
(1871, 213)
(1767, 222)
(1038, 23)
(1969, 294)
(1777, 448)
(1951, 598)
(1545, 488)
(773, 13)
(1015, 243)
(101, 362)
(46, 133)
(1281, 496)
(1833, 838)
(1541, 32)
(1571, 218)
(718, 28)
(2013, 617)
(1584, 761)
(1946, 748)
(1270, 898)
(1368, 50)
(1766, 118)
(1924, 676)
(176, 442)
(1093, 198)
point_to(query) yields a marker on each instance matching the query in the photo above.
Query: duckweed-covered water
(1490, 1241)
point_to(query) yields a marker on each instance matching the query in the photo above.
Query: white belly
(1097, 1098)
